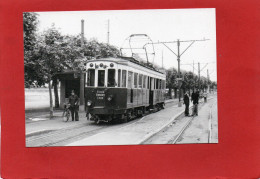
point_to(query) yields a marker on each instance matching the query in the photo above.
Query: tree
(30, 23)
(171, 83)
(188, 81)
(51, 54)
(31, 74)
(94, 49)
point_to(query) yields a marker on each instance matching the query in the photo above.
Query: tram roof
(126, 59)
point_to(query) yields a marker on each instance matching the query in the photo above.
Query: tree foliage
(190, 81)
(30, 23)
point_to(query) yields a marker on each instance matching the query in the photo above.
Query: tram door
(151, 81)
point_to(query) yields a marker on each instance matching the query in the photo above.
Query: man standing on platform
(186, 100)
(74, 106)
(195, 98)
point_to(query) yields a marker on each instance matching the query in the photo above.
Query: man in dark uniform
(186, 100)
(195, 98)
(74, 105)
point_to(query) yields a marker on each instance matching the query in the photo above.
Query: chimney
(82, 33)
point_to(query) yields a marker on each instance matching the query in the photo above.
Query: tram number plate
(100, 95)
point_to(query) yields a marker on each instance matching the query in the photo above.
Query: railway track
(64, 136)
(61, 135)
(187, 124)
(175, 139)
(71, 134)
(174, 131)
(210, 124)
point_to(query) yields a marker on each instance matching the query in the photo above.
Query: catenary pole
(179, 72)
(107, 31)
(208, 79)
(199, 76)
(82, 33)
(81, 94)
(178, 56)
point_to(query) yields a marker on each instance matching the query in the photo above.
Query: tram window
(91, 77)
(163, 84)
(130, 79)
(111, 78)
(144, 81)
(157, 84)
(119, 78)
(101, 78)
(140, 81)
(135, 80)
(148, 81)
(123, 78)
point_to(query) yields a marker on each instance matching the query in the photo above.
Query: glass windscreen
(91, 77)
(101, 78)
(111, 82)
(140, 81)
(130, 79)
(119, 78)
(123, 78)
(135, 79)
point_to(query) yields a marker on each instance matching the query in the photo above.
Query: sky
(160, 25)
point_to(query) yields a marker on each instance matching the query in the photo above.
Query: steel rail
(173, 141)
(210, 124)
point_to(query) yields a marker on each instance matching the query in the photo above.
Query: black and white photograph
(120, 77)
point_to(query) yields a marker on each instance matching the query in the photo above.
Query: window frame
(124, 86)
(131, 80)
(98, 78)
(140, 80)
(87, 81)
(119, 77)
(107, 81)
(136, 75)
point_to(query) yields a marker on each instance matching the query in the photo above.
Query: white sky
(159, 25)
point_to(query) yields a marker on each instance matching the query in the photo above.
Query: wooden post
(81, 95)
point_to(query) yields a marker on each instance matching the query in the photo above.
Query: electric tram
(122, 88)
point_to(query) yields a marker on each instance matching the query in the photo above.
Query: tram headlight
(109, 98)
(89, 103)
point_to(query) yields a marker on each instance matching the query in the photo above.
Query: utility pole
(179, 72)
(107, 31)
(81, 94)
(162, 58)
(82, 33)
(208, 79)
(193, 75)
(178, 55)
(199, 75)
(193, 67)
